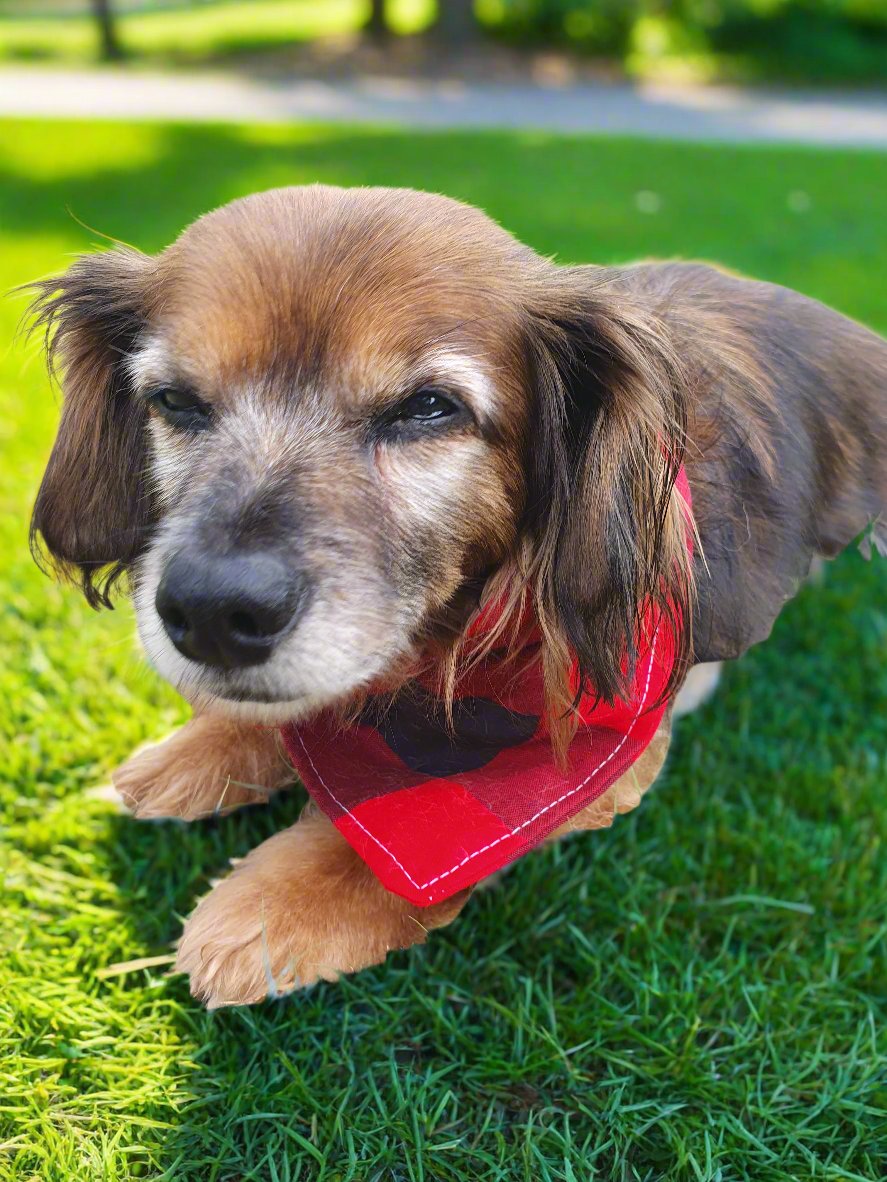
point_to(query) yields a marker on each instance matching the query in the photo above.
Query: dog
(326, 429)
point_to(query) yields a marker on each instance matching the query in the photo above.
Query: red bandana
(433, 809)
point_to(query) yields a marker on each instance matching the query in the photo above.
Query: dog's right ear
(93, 511)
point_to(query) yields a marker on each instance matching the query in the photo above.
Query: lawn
(698, 994)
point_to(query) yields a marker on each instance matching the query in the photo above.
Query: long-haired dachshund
(343, 442)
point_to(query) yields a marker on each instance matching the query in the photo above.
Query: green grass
(698, 994)
(198, 32)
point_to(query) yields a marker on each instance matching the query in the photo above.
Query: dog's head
(325, 425)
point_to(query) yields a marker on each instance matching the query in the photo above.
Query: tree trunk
(377, 24)
(110, 47)
(455, 21)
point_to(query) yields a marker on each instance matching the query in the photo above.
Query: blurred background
(699, 993)
(839, 41)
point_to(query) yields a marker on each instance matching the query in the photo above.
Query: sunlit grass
(698, 994)
(198, 31)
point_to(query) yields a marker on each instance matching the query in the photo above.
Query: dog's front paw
(301, 908)
(211, 765)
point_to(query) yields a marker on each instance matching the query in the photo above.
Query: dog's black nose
(228, 611)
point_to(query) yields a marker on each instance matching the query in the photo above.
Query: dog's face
(336, 429)
(316, 426)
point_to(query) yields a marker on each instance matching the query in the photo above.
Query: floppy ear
(607, 534)
(93, 510)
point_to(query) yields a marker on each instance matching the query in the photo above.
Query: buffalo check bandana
(432, 807)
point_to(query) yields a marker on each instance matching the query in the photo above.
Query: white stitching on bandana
(523, 825)
(418, 885)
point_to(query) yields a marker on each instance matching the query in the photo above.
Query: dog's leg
(212, 765)
(304, 907)
(699, 685)
(301, 907)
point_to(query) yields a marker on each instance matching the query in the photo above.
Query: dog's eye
(426, 410)
(426, 406)
(181, 407)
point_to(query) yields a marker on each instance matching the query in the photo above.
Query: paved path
(716, 113)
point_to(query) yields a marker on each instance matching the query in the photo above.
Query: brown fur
(212, 765)
(300, 908)
(301, 318)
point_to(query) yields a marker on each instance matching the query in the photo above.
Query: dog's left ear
(607, 535)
